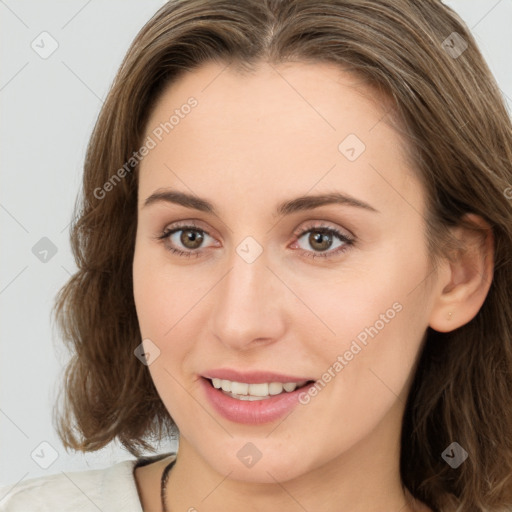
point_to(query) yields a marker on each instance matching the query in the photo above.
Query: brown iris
(191, 236)
(317, 237)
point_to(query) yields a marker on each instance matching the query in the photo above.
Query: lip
(254, 377)
(252, 412)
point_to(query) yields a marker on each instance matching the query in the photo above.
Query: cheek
(161, 302)
(378, 322)
(167, 305)
(378, 289)
(375, 303)
(160, 292)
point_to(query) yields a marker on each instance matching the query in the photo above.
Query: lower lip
(252, 412)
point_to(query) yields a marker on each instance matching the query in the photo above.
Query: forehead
(298, 126)
(323, 94)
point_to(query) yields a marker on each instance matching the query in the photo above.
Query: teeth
(274, 388)
(239, 388)
(243, 389)
(255, 389)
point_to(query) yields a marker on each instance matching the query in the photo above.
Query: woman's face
(261, 288)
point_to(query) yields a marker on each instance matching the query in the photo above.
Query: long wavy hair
(459, 139)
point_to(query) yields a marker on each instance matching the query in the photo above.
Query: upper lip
(252, 377)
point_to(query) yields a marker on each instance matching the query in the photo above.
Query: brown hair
(460, 140)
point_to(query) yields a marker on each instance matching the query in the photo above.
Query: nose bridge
(247, 303)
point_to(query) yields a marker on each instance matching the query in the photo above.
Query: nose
(250, 305)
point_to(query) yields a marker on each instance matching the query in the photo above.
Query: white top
(112, 489)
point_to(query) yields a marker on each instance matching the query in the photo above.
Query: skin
(253, 141)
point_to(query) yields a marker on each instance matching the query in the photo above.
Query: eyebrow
(288, 207)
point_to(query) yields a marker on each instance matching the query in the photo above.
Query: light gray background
(48, 108)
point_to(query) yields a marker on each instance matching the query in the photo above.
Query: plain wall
(49, 106)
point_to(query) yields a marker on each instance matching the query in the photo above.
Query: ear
(465, 281)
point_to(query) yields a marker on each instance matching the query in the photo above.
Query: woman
(294, 253)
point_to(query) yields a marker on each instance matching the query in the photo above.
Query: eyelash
(348, 242)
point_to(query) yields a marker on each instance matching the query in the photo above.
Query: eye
(191, 238)
(321, 239)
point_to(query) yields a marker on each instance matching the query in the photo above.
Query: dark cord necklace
(163, 486)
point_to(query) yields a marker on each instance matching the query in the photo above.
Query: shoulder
(84, 491)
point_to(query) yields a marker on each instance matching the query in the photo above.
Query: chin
(264, 472)
(265, 464)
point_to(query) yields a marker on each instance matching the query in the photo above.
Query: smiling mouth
(254, 392)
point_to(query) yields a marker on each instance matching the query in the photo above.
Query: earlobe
(465, 283)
